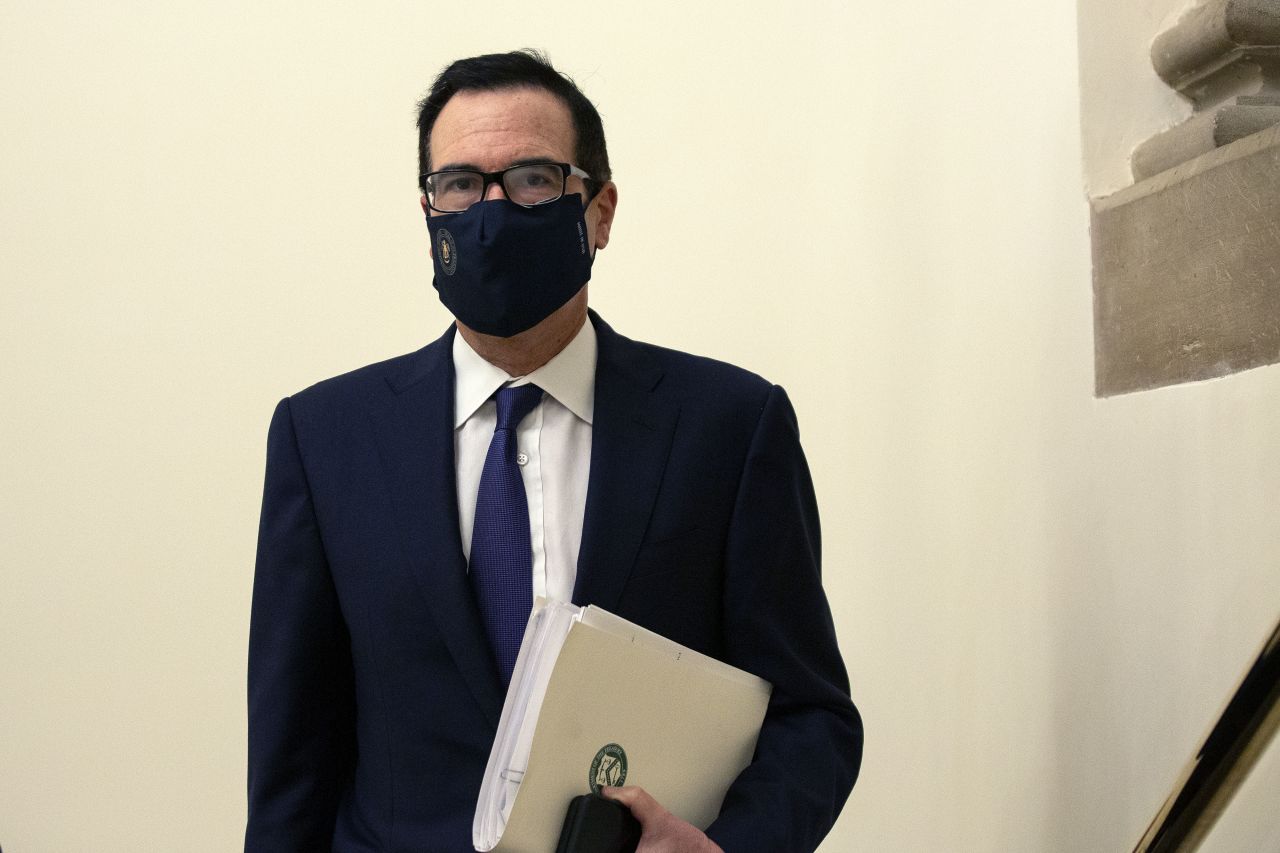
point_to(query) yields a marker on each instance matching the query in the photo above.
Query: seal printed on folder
(608, 768)
(679, 724)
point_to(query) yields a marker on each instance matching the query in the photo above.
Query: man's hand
(661, 831)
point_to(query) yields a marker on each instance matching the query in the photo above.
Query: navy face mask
(502, 268)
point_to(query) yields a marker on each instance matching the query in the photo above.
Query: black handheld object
(595, 824)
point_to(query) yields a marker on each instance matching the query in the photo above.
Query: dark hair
(517, 69)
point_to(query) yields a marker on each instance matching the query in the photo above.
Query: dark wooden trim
(1225, 758)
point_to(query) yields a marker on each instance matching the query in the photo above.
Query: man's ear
(606, 202)
(426, 212)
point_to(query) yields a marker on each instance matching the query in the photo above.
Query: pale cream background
(1042, 597)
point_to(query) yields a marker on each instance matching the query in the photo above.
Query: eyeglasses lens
(537, 183)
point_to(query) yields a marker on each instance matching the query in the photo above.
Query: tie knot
(515, 403)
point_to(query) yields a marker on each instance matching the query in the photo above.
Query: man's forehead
(501, 128)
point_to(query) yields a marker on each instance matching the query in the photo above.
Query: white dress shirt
(554, 442)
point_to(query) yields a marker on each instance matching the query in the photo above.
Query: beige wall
(1041, 597)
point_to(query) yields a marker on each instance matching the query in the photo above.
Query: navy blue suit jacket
(373, 695)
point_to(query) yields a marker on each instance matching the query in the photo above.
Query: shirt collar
(569, 377)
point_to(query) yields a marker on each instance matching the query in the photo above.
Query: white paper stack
(586, 680)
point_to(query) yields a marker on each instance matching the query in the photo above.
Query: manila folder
(681, 725)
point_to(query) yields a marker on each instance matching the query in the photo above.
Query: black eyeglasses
(530, 184)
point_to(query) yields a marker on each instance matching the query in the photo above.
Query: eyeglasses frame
(488, 178)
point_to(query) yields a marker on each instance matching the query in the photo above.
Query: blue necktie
(501, 551)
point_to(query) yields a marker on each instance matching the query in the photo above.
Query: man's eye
(458, 184)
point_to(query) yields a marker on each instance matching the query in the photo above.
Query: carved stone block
(1187, 270)
(1201, 133)
(1223, 55)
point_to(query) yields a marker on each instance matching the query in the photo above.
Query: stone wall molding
(1186, 268)
(1224, 56)
(1214, 35)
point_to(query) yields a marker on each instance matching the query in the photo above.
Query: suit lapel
(631, 438)
(630, 441)
(414, 426)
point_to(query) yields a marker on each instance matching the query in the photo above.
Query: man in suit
(414, 507)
